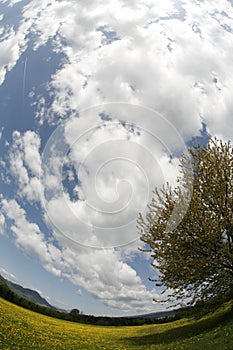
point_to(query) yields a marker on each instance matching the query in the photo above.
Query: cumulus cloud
(178, 67)
(2, 223)
(186, 52)
(13, 44)
(25, 164)
(136, 84)
(109, 279)
(113, 168)
(101, 272)
(104, 273)
(29, 238)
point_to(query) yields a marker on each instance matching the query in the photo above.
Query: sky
(98, 101)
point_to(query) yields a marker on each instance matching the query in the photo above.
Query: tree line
(75, 315)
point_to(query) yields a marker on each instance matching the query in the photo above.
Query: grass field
(23, 329)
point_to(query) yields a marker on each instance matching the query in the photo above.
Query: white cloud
(116, 171)
(30, 239)
(11, 2)
(8, 275)
(109, 279)
(79, 292)
(179, 68)
(13, 44)
(104, 273)
(25, 164)
(117, 167)
(2, 223)
(178, 58)
(9, 54)
(101, 272)
(31, 144)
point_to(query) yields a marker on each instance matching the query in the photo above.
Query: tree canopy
(193, 249)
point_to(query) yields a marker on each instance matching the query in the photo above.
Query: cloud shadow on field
(181, 333)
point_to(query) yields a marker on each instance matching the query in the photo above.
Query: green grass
(24, 329)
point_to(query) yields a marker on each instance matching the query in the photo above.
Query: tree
(74, 315)
(192, 245)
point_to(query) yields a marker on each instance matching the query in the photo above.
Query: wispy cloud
(9, 276)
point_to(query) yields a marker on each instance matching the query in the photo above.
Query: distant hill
(160, 314)
(32, 300)
(26, 293)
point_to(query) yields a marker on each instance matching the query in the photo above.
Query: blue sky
(97, 103)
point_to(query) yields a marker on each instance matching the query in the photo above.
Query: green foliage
(192, 245)
(74, 315)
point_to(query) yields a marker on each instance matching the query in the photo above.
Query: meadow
(24, 329)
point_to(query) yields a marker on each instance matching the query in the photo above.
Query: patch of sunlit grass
(24, 329)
